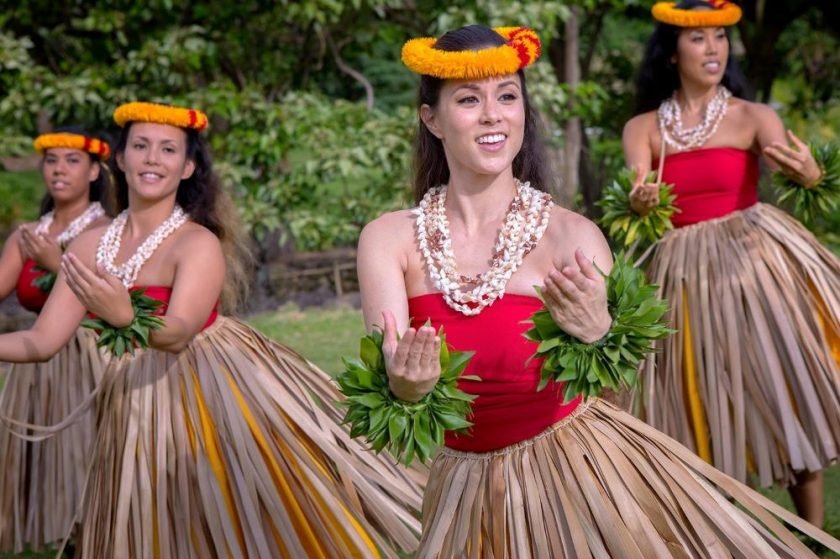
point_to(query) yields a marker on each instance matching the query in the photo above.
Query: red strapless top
(509, 409)
(163, 294)
(30, 297)
(711, 182)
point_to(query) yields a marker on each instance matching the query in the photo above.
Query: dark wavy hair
(430, 168)
(658, 77)
(101, 189)
(203, 197)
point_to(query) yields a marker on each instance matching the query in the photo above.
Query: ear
(120, 159)
(189, 169)
(95, 169)
(427, 115)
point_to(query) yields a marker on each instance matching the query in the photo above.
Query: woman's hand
(413, 362)
(43, 250)
(101, 293)
(576, 297)
(797, 162)
(645, 195)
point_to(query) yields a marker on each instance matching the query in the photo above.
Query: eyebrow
(474, 87)
(164, 141)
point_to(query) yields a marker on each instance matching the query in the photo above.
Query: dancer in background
(209, 442)
(41, 482)
(751, 380)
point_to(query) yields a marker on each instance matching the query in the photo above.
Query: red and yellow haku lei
(72, 140)
(160, 114)
(724, 14)
(522, 49)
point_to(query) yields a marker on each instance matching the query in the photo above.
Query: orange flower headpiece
(722, 14)
(160, 114)
(522, 48)
(71, 140)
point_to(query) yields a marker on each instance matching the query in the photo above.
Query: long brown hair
(430, 168)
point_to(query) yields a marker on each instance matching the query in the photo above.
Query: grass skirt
(751, 379)
(600, 483)
(220, 451)
(41, 482)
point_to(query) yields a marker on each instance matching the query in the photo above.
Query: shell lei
(526, 221)
(680, 138)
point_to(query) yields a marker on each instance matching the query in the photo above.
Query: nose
(490, 112)
(150, 156)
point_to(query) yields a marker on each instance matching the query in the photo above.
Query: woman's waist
(698, 208)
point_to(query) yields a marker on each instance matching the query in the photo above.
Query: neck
(478, 199)
(66, 212)
(694, 98)
(144, 217)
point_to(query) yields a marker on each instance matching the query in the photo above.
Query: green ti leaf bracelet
(136, 335)
(406, 429)
(611, 362)
(821, 199)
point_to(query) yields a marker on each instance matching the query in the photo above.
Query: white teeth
(150, 175)
(491, 139)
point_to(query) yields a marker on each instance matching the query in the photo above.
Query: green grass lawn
(325, 335)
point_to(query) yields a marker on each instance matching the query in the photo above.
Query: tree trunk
(573, 132)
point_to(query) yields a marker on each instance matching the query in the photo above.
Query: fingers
(794, 139)
(784, 156)
(80, 274)
(640, 176)
(560, 287)
(587, 268)
(431, 351)
(389, 331)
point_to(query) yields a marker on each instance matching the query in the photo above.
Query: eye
(138, 145)
(508, 97)
(169, 149)
(468, 100)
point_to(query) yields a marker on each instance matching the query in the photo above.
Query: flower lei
(406, 429)
(526, 221)
(521, 49)
(109, 245)
(70, 140)
(94, 211)
(611, 362)
(160, 114)
(723, 14)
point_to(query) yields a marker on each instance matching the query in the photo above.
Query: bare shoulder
(640, 125)
(568, 231)
(389, 230)
(758, 112)
(84, 246)
(197, 240)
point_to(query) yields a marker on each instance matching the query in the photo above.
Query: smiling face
(480, 124)
(155, 160)
(701, 55)
(68, 174)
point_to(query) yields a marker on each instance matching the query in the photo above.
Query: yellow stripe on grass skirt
(692, 390)
(286, 493)
(832, 336)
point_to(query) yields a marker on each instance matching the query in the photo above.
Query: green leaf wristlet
(612, 361)
(45, 282)
(822, 198)
(624, 226)
(126, 339)
(406, 429)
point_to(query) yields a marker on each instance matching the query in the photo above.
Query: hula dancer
(209, 443)
(751, 380)
(42, 481)
(542, 473)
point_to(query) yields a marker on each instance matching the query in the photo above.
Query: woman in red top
(751, 381)
(535, 477)
(208, 441)
(42, 481)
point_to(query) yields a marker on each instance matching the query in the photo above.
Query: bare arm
(11, 264)
(636, 144)
(55, 326)
(783, 151)
(382, 273)
(199, 278)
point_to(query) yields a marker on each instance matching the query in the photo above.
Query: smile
(491, 139)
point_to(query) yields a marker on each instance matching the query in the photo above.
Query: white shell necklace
(526, 221)
(109, 245)
(74, 229)
(681, 139)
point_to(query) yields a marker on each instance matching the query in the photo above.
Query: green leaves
(626, 227)
(45, 282)
(612, 361)
(122, 340)
(808, 203)
(406, 429)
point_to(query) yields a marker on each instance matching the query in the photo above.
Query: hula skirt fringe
(41, 482)
(751, 380)
(601, 484)
(221, 451)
